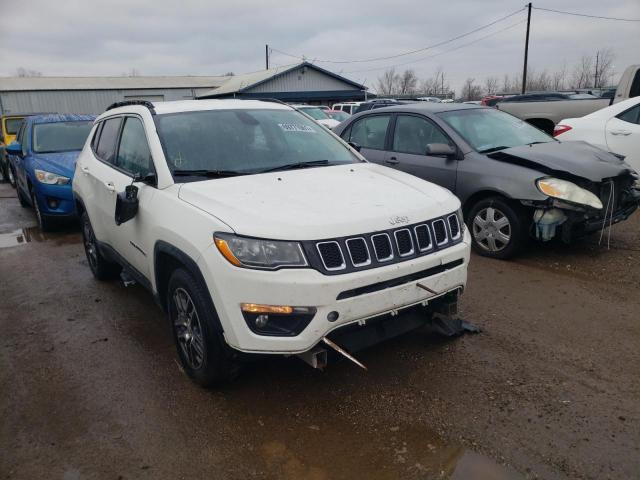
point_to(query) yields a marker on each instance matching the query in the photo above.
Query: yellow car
(10, 125)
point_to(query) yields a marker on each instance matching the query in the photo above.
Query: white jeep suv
(258, 231)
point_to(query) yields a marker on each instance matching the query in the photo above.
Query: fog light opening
(261, 321)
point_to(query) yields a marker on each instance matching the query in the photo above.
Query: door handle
(620, 132)
(392, 161)
(110, 186)
(85, 170)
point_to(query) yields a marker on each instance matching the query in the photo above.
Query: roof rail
(144, 103)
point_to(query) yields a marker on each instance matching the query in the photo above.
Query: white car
(259, 232)
(318, 114)
(615, 128)
(348, 107)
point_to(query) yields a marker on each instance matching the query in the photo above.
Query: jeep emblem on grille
(398, 219)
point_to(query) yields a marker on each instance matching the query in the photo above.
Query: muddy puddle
(337, 451)
(25, 235)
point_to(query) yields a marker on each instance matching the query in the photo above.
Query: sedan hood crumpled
(318, 203)
(561, 158)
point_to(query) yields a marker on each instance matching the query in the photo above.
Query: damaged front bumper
(553, 218)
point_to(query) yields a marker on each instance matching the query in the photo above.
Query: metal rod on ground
(343, 352)
(526, 50)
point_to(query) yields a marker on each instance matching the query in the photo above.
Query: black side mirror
(355, 146)
(127, 204)
(440, 150)
(14, 148)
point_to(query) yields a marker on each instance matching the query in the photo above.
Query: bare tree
(491, 85)
(582, 72)
(603, 68)
(406, 83)
(24, 72)
(387, 82)
(229, 74)
(471, 91)
(558, 78)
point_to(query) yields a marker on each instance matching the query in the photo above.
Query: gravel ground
(91, 387)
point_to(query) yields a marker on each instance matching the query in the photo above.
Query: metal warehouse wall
(296, 81)
(85, 101)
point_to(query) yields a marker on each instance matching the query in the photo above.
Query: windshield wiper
(207, 173)
(293, 166)
(493, 149)
(536, 143)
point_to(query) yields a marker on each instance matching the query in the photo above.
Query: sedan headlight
(259, 253)
(564, 190)
(51, 178)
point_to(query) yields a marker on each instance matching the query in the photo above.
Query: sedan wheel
(491, 229)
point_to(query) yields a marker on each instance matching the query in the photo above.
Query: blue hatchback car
(44, 160)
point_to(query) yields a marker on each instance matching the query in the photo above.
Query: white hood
(317, 203)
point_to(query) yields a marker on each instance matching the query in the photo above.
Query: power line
(441, 53)
(588, 16)
(411, 51)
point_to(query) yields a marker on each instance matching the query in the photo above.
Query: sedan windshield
(227, 142)
(60, 136)
(491, 130)
(314, 112)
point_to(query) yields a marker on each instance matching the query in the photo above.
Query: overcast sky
(158, 37)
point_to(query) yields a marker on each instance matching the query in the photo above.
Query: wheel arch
(166, 259)
(481, 195)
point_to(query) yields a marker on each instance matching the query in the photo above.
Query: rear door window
(106, 149)
(370, 132)
(635, 86)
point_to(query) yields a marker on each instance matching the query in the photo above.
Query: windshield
(60, 136)
(338, 115)
(490, 130)
(314, 112)
(13, 124)
(246, 141)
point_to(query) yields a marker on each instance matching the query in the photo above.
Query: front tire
(203, 352)
(498, 228)
(24, 203)
(11, 176)
(101, 268)
(44, 222)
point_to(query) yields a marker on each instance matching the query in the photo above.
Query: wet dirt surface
(90, 386)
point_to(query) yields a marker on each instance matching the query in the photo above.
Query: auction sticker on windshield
(292, 127)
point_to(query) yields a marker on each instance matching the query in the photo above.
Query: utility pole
(526, 49)
(595, 77)
(266, 56)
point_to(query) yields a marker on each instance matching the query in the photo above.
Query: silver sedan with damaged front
(514, 180)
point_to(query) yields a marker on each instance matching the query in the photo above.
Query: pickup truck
(545, 113)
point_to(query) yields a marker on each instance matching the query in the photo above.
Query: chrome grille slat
(376, 247)
(325, 257)
(402, 236)
(454, 224)
(440, 231)
(428, 244)
(355, 243)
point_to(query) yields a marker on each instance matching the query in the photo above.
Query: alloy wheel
(90, 245)
(491, 229)
(188, 329)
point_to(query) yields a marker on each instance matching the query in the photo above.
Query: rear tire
(497, 227)
(11, 176)
(101, 268)
(204, 354)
